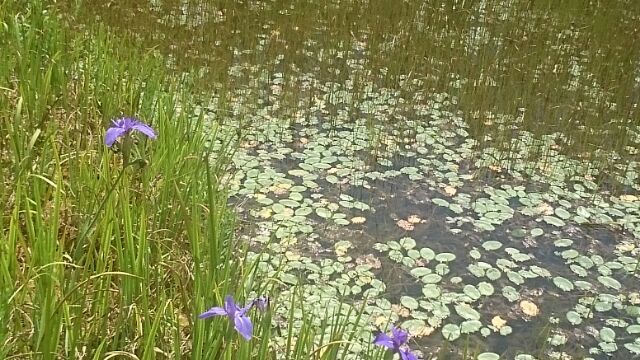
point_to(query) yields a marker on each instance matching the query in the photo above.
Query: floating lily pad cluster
(346, 192)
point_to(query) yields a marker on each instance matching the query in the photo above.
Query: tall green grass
(100, 260)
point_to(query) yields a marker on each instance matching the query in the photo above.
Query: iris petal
(230, 306)
(214, 311)
(145, 129)
(406, 354)
(385, 340)
(244, 326)
(113, 133)
(400, 337)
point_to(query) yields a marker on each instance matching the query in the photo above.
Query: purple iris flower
(237, 314)
(262, 303)
(396, 342)
(123, 126)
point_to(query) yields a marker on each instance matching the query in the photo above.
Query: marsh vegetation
(465, 170)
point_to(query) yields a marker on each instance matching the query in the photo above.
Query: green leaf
(407, 243)
(323, 212)
(451, 332)
(633, 347)
(491, 245)
(515, 278)
(552, 220)
(488, 356)
(485, 288)
(493, 274)
(510, 293)
(536, 232)
(470, 326)
(431, 291)
(506, 330)
(607, 334)
(409, 302)
(562, 213)
(427, 254)
(420, 271)
(431, 278)
(467, 312)
(633, 329)
(440, 202)
(471, 292)
(609, 282)
(563, 283)
(574, 318)
(563, 242)
(445, 257)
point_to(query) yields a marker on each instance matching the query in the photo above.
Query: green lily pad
(427, 254)
(608, 347)
(323, 212)
(493, 274)
(445, 257)
(633, 347)
(488, 356)
(563, 242)
(609, 282)
(633, 329)
(431, 291)
(470, 326)
(491, 245)
(552, 220)
(409, 302)
(562, 213)
(505, 330)
(515, 278)
(407, 243)
(432, 278)
(451, 332)
(472, 292)
(440, 202)
(563, 283)
(485, 288)
(510, 293)
(467, 312)
(536, 232)
(607, 334)
(524, 357)
(574, 318)
(420, 271)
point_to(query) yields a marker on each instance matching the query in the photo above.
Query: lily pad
(488, 356)
(467, 312)
(552, 220)
(491, 245)
(563, 283)
(609, 282)
(451, 332)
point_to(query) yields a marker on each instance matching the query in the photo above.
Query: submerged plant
(396, 342)
(236, 314)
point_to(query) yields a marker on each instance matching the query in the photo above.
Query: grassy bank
(103, 258)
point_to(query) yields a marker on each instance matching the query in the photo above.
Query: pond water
(467, 169)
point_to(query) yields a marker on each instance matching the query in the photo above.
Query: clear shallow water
(453, 164)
